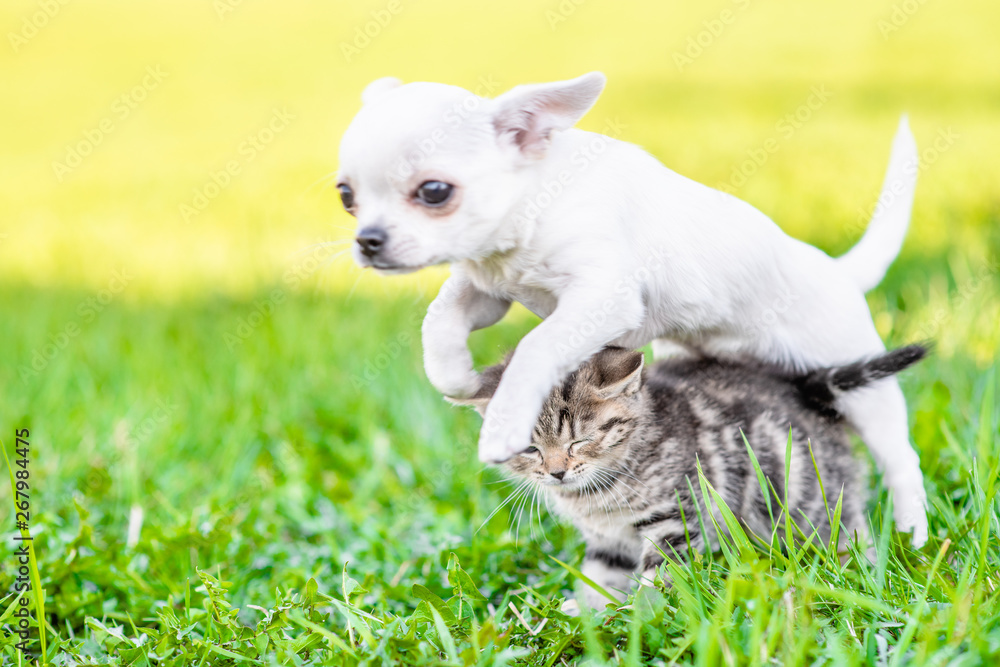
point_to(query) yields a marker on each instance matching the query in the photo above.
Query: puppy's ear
(617, 371)
(528, 115)
(489, 380)
(378, 87)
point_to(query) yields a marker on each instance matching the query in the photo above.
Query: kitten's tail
(822, 386)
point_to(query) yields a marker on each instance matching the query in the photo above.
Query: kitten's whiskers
(517, 491)
(611, 485)
(617, 480)
(520, 514)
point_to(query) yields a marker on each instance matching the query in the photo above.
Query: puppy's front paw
(503, 435)
(571, 607)
(457, 383)
(498, 447)
(594, 600)
(909, 512)
(591, 598)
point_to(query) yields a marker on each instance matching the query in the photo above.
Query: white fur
(609, 246)
(868, 261)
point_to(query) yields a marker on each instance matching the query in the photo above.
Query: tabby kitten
(616, 451)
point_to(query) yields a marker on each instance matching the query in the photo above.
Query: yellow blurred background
(116, 115)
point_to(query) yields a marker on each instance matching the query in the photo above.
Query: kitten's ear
(619, 372)
(379, 87)
(488, 382)
(529, 114)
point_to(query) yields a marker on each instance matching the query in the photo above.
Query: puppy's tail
(868, 261)
(822, 386)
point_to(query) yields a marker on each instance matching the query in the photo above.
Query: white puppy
(608, 246)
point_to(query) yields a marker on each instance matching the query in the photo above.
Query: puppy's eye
(434, 193)
(346, 195)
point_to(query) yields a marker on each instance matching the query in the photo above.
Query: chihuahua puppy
(608, 247)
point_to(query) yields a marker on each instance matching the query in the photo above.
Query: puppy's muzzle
(371, 240)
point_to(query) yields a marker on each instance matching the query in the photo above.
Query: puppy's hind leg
(878, 414)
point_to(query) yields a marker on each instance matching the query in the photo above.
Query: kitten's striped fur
(616, 450)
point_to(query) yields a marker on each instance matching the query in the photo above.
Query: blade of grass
(760, 476)
(789, 539)
(585, 579)
(899, 651)
(298, 618)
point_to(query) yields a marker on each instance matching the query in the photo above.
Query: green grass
(270, 470)
(235, 465)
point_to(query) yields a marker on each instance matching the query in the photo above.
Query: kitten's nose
(371, 240)
(558, 474)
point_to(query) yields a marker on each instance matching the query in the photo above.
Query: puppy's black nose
(558, 474)
(371, 240)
